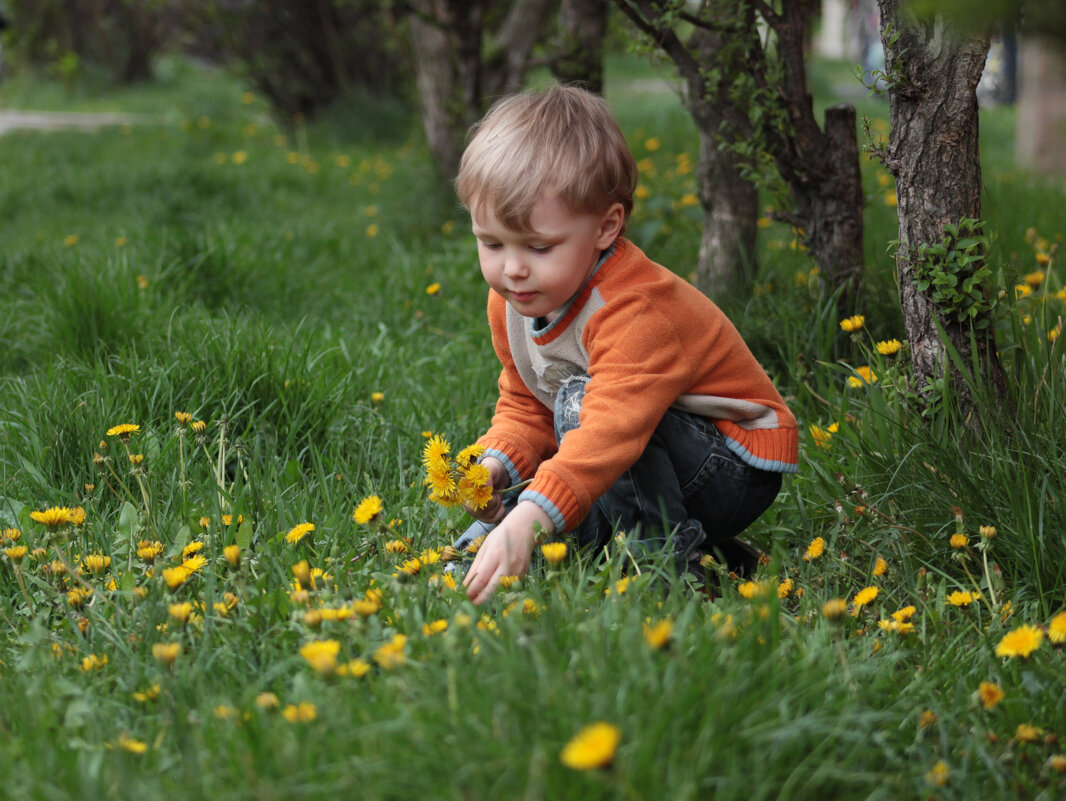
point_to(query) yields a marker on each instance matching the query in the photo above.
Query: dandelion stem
(22, 586)
(988, 579)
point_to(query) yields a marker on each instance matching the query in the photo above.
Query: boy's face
(539, 271)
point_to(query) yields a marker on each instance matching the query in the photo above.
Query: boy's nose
(513, 266)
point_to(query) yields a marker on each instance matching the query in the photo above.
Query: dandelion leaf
(244, 535)
(129, 519)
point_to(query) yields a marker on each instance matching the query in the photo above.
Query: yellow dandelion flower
(436, 450)
(1057, 763)
(297, 533)
(180, 612)
(123, 430)
(749, 589)
(16, 553)
(959, 541)
(174, 577)
(78, 596)
(93, 662)
(12, 534)
(591, 748)
(303, 712)
(193, 547)
(658, 635)
(267, 700)
(989, 694)
(785, 587)
(434, 627)
(70, 240)
(372, 230)
(475, 545)
(377, 397)
(195, 563)
(814, 550)
(987, 532)
(823, 436)
(392, 654)
(355, 668)
(891, 199)
(321, 655)
(553, 552)
(1035, 278)
(396, 546)
(166, 652)
(864, 597)
(368, 508)
(1026, 733)
(183, 418)
(1022, 291)
(147, 551)
(880, 567)
(232, 555)
(853, 323)
(433, 288)
(411, 567)
(1022, 641)
(938, 775)
(53, 517)
(239, 157)
(148, 694)
(1056, 629)
(199, 427)
(619, 587)
(127, 743)
(506, 582)
(888, 347)
(365, 607)
(865, 376)
(652, 144)
(1043, 259)
(960, 598)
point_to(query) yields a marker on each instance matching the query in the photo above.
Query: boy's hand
(494, 511)
(506, 550)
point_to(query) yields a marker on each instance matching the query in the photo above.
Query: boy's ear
(611, 225)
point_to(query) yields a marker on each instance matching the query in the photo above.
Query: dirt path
(11, 120)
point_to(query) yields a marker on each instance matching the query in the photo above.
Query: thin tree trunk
(934, 153)
(583, 27)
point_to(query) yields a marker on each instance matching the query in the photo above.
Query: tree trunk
(455, 78)
(934, 153)
(730, 202)
(582, 29)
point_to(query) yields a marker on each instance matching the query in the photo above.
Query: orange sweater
(648, 340)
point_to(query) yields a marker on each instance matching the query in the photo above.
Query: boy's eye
(491, 245)
(540, 248)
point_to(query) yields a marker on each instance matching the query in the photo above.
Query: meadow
(223, 347)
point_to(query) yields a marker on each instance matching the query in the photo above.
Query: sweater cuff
(512, 471)
(557, 500)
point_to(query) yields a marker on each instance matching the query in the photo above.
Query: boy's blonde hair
(564, 139)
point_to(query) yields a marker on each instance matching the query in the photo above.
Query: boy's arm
(506, 551)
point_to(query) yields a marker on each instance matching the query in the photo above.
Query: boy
(626, 395)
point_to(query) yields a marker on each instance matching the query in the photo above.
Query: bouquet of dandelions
(458, 481)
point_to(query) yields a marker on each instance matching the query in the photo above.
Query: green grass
(274, 287)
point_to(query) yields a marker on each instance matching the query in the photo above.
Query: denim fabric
(688, 491)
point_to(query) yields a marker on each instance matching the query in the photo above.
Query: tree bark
(934, 153)
(457, 74)
(582, 29)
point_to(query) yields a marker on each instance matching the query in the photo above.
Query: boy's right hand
(493, 512)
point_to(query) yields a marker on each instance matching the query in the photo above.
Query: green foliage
(955, 274)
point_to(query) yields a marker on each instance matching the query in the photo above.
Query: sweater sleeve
(522, 434)
(636, 371)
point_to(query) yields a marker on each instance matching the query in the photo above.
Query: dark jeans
(688, 492)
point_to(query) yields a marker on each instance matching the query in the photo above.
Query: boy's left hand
(506, 550)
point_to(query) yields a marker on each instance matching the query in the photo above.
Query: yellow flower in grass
(862, 598)
(960, 598)
(436, 450)
(433, 289)
(959, 541)
(77, 597)
(853, 323)
(354, 668)
(176, 576)
(619, 587)
(823, 436)
(127, 743)
(938, 775)
(1022, 641)
(148, 694)
(76, 515)
(392, 654)
(553, 552)
(166, 652)
(899, 627)
(199, 427)
(889, 347)
(303, 712)
(232, 555)
(297, 533)
(591, 748)
(148, 550)
(93, 662)
(989, 694)
(123, 430)
(368, 508)
(53, 517)
(1057, 763)
(183, 418)
(658, 635)
(1035, 278)
(180, 612)
(506, 582)
(321, 655)
(1021, 291)
(865, 376)
(12, 534)
(96, 563)
(1026, 733)
(16, 553)
(434, 627)
(1056, 629)
(267, 701)
(814, 550)
(195, 563)
(880, 567)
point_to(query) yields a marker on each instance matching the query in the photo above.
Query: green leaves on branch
(955, 276)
